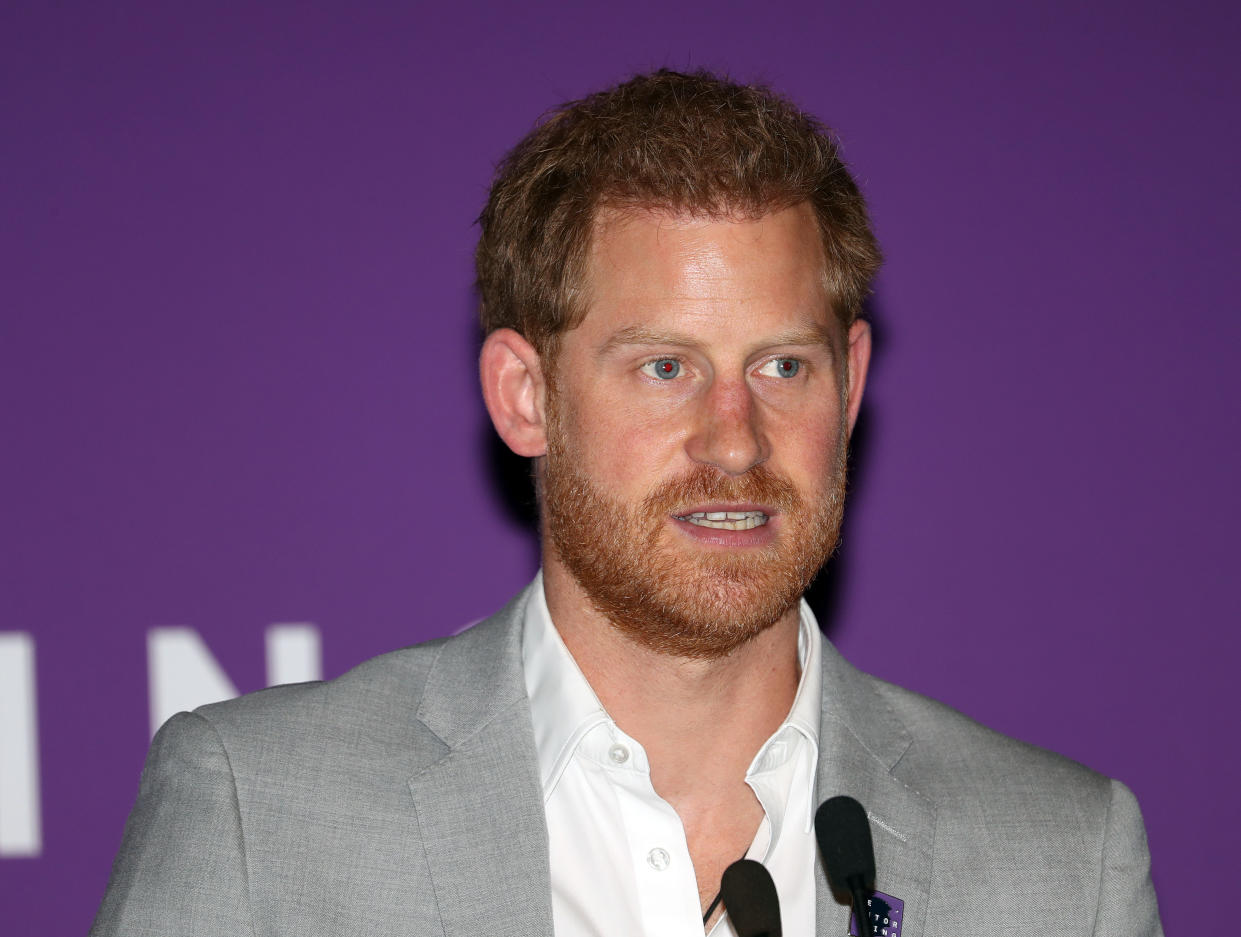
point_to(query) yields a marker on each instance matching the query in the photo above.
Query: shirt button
(658, 859)
(619, 754)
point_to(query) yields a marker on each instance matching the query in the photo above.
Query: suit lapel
(478, 797)
(479, 804)
(860, 743)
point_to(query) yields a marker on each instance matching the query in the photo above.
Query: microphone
(843, 832)
(750, 899)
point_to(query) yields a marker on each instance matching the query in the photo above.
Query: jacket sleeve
(1127, 906)
(181, 868)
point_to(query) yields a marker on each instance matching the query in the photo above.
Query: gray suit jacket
(404, 798)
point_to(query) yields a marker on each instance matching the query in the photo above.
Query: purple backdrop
(237, 362)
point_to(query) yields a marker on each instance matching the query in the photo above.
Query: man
(671, 274)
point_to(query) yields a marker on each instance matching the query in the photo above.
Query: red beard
(660, 593)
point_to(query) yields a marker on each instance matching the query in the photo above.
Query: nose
(728, 432)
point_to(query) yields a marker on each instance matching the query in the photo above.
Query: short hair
(685, 143)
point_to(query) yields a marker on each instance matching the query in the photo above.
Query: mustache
(704, 485)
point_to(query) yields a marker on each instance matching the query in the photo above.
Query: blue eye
(781, 367)
(664, 368)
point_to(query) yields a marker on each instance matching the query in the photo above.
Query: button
(658, 859)
(619, 754)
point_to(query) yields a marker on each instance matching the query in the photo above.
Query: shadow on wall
(827, 588)
(512, 480)
(512, 483)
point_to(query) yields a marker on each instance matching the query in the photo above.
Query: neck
(701, 722)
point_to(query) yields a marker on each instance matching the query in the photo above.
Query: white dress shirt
(620, 864)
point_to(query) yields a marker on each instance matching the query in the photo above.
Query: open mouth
(725, 520)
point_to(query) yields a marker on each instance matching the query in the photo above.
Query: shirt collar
(790, 756)
(806, 712)
(562, 704)
(564, 708)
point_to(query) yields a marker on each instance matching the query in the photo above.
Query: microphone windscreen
(843, 832)
(749, 896)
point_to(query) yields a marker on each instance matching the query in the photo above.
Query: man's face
(697, 425)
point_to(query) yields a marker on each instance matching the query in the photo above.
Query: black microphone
(750, 899)
(843, 832)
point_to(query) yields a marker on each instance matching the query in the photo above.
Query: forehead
(648, 266)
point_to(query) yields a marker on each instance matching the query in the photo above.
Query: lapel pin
(885, 913)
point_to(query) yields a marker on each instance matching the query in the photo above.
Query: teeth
(727, 520)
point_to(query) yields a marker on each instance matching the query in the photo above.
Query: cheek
(622, 443)
(808, 446)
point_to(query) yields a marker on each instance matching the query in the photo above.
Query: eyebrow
(640, 335)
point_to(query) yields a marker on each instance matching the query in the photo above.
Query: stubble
(666, 593)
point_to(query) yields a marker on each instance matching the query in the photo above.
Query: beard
(699, 603)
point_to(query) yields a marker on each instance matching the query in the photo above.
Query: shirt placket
(658, 852)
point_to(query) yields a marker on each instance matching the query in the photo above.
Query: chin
(702, 612)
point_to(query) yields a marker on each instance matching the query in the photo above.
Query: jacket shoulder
(957, 761)
(374, 709)
(312, 784)
(1016, 820)
(388, 682)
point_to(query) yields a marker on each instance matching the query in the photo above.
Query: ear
(858, 356)
(512, 378)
